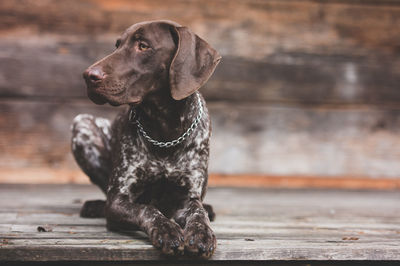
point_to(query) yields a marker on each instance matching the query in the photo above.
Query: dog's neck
(164, 118)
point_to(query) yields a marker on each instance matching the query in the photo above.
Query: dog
(152, 161)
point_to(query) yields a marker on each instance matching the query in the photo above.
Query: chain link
(172, 143)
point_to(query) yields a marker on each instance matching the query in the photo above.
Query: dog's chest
(138, 167)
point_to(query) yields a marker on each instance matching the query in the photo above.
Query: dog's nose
(93, 75)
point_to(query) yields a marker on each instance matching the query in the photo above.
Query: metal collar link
(134, 120)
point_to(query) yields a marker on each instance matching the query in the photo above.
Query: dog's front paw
(168, 236)
(199, 239)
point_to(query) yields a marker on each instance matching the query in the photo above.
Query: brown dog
(152, 163)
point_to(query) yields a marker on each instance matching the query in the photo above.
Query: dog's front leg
(199, 237)
(163, 233)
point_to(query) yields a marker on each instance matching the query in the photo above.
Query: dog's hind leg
(209, 209)
(93, 209)
(91, 149)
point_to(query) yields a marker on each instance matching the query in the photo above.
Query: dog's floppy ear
(192, 65)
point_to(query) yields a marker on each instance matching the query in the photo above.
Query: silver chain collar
(134, 120)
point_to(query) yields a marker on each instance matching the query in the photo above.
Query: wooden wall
(305, 87)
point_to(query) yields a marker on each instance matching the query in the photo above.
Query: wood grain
(342, 182)
(305, 52)
(281, 224)
(246, 28)
(247, 139)
(46, 175)
(52, 68)
(306, 88)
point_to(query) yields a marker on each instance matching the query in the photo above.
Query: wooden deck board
(256, 224)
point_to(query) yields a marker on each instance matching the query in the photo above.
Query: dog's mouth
(95, 95)
(115, 99)
(96, 98)
(101, 99)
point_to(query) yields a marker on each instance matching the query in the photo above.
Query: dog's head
(150, 56)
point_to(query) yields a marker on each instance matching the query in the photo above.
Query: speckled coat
(155, 189)
(136, 162)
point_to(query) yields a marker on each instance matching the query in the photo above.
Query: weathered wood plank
(336, 203)
(46, 175)
(308, 79)
(123, 253)
(24, 125)
(275, 51)
(47, 67)
(304, 220)
(281, 181)
(295, 225)
(245, 28)
(272, 140)
(248, 230)
(308, 141)
(273, 250)
(51, 67)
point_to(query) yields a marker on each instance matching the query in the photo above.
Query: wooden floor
(251, 224)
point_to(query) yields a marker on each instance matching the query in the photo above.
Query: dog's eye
(118, 43)
(143, 46)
